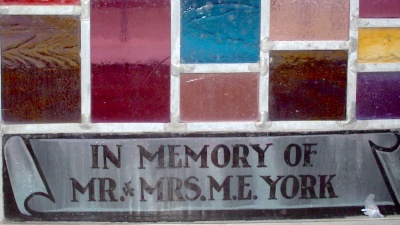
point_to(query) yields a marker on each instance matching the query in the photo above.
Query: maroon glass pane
(40, 69)
(379, 8)
(378, 95)
(219, 97)
(130, 56)
(307, 85)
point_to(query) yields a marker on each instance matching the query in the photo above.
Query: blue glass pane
(220, 31)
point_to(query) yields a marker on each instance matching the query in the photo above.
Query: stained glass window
(80, 77)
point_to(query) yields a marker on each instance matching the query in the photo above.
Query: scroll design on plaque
(388, 159)
(26, 179)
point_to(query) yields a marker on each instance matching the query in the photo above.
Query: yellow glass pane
(379, 45)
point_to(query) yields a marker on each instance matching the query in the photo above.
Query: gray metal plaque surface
(128, 174)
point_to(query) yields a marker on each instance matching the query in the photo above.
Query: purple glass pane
(379, 8)
(378, 95)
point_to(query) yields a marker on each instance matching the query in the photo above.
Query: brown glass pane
(307, 85)
(40, 69)
(219, 97)
(130, 57)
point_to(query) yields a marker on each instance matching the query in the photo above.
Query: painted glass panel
(41, 2)
(40, 69)
(220, 31)
(378, 95)
(379, 8)
(307, 85)
(130, 56)
(219, 97)
(379, 45)
(309, 20)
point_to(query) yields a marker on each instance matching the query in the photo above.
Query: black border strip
(209, 215)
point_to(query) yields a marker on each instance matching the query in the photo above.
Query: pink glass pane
(130, 56)
(309, 20)
(219, 97)
(41, 2)
(379, 8)
(40, 69)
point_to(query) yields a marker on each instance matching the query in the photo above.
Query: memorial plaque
(164, 177)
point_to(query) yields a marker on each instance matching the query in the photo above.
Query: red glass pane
(40, 69)
(219, 97)
(41, 2)
(130, 55)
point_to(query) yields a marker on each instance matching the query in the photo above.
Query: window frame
(175, 126)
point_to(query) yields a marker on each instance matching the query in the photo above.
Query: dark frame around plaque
(12, 212)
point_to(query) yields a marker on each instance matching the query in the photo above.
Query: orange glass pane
(379, 45)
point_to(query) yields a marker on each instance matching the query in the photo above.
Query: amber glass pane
(379, 8)
(379, 45)
(310, 20)
(378, 95)
(40, 69)
(130, 55)
(219, 97)
(307, 85)
(41, 2)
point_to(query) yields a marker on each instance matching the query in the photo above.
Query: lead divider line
(264, 63)
(220, 68)
(379, 23)
(57, 10)
(378, 67)
(175, 61)
(223, 127)
(352, 63)
(85, 64)
(309, 45)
